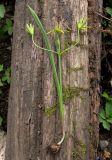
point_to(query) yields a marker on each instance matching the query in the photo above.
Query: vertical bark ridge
(77, 132)
(94, 70)
(26, 102)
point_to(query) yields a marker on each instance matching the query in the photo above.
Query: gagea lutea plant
(57, 73)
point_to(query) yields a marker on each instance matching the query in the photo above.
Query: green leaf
(1, 67)
(1, 120)
(8, 22)
(2, 10)
(106, 125)
(109, 11)
(101, 119)
(104, 23)
(8, 27)
(2, 34)
(1, 83)
(109, 120)
(108, 109)
(6, 76)
(106, 96)
(102, 114)
(10, 30)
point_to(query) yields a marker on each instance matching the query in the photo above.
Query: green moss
(83, 151)
(49, 111)
(80, 150)
(70, 92)
(70, 43)
(75, 69)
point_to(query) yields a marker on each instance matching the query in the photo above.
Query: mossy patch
(69, 93)
(75, 69)
(49, 111)
(79, 152)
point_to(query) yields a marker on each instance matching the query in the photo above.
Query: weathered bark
(30, 131)
(94, 7)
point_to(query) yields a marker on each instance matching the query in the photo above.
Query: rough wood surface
(30, 131)
(2, 145)
(94, 7)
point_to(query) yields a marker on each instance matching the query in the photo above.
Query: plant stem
(61, 89)
(36, 45)
(58, 49)
(57, 76)
(61, 105)
(62, 139)
(51, 57)
(77, 41)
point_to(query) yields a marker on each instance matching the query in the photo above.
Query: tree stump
(32, 92)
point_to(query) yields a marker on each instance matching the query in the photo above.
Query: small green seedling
(56, 68)
(105, 115)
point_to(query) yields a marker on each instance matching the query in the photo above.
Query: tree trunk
(32, 92)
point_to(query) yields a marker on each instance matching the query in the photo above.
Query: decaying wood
(30, 131)
(94, 22)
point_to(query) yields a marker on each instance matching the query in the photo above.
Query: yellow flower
(56, 29)
(30, 29)
(82, 24)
